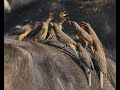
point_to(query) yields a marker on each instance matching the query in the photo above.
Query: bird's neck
(60, 23)
(76, 25)
(57, 29)
(97, 46)
(91, 31)
(48, 20)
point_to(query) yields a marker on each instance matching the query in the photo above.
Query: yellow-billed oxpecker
(83, 35)
(86, 59)
(99, 56)
(92, 32)
(20, 31)
(64, 38)
(43, 29)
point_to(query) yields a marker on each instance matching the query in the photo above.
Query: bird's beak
(65, 15)
(51, 16)
(82, 26)
(51, 19)
(51, 24)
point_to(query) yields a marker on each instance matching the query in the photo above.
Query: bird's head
(64, 13)
(63, 16)
(27, 22)
(83, 26)
(37, 23)
(51, 16)
(70, 22)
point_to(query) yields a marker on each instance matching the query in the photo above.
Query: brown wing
(86, 59)
(87, 36)
(101, 62)
(62, 36)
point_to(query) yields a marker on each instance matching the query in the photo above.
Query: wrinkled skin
(34, 66)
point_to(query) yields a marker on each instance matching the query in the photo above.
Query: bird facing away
(41, 35)
(86, 59)
(83, 35)
(92, 32)
(64, 38)
(101, 61)
(18, 32)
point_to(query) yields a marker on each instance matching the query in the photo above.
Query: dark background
(101, 14)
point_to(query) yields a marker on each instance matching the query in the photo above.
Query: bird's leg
(91, 47)
(86, 44)
(74, 49)
(89, 76)
(36, 40)
(101, 79)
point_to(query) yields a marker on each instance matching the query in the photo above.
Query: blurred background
(101, 14)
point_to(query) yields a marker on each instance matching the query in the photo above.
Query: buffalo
(35, 66)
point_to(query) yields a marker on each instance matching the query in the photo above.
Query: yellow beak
(65, 15)
(51, 24)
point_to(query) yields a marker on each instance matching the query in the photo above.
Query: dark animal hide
(34, 66)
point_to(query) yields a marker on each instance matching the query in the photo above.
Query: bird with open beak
(83, 35)
(63, 16)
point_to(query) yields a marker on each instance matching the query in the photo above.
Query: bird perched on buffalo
(63, 16)
(83, 35)
(38, 25)
(86, 59)
(99, 56)
(92, 33)
(20, 31)
(64, 38)
(52, 37)
(42, 30)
